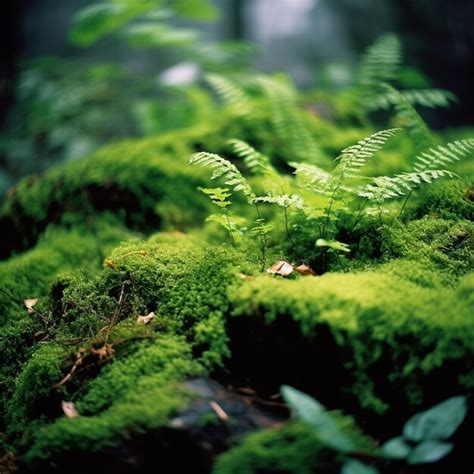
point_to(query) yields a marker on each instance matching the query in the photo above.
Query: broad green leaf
(396, 448)
(352, 466)
(429, 451)
(439, 422)
(333, 244)
(314, 414)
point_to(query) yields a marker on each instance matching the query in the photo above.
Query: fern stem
(328, 214)
(263, 240)
(404, 204)
(290, 237)
(358, 217)
(234, 243)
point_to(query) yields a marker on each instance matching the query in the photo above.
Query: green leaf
(314, 414)
(333, 244)
(95, 21)
(395, 448)
(352, 466)
(439, 422)
(429, 451)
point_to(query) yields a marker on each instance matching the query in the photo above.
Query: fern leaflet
(389, 187)
(223, 168)
(443, 155)
(256, 162)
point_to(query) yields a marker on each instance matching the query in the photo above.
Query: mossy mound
(377, 335)
(146, 182)
(30, 275)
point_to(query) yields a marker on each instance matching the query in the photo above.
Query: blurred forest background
(63, 95)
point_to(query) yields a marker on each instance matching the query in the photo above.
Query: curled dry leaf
(69, 409)
(103, 352)
(146, 319)
(29, 303)
(282, 268)
(219, 411)
(305, 270)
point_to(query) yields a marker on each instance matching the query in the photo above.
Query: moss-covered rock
(375, 336)
(147, 182)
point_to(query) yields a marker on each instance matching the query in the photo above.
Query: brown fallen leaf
(146, 319)
(305, 270)
(282, 268)
(103, 352)
(29, 303)
(69, 409)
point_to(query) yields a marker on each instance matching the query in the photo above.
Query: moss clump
(442, 245)
(130, 395)
(375, 335)
(147, 182)
(185, 284)
(30, 275)
(292, 449)
(447, 200)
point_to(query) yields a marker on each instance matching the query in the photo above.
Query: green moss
(30, 275)
(293, 448)
(446, 199)
(443, 245)
(389, 336)
(147, 182)
(149, 406)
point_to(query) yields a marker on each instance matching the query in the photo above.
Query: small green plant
(424, 438)
(233, 178)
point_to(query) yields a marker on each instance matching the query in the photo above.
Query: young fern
(430, 98)
(233, 178)
(230, 94)
(288, 121)
(256, 162)
(443, 155)
(223, 168)
(220, 198)
(425, 170)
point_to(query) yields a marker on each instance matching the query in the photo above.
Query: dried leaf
(146, 319)
(103, 352)
(29, 304)
(305, 270)
(219, 411)
(282, 268)
(69, 409)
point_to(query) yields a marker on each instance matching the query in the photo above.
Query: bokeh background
(59, 100)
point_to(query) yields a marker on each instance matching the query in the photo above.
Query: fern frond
(283, 200)
(230, 94)
(380, 62)
(443, 155)
(219, 196)
(425, 97)
(288, 121)
(260, 228)
(256, 162)
(388, 187)
(313, 177)
(353, 158)
(223, 168)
